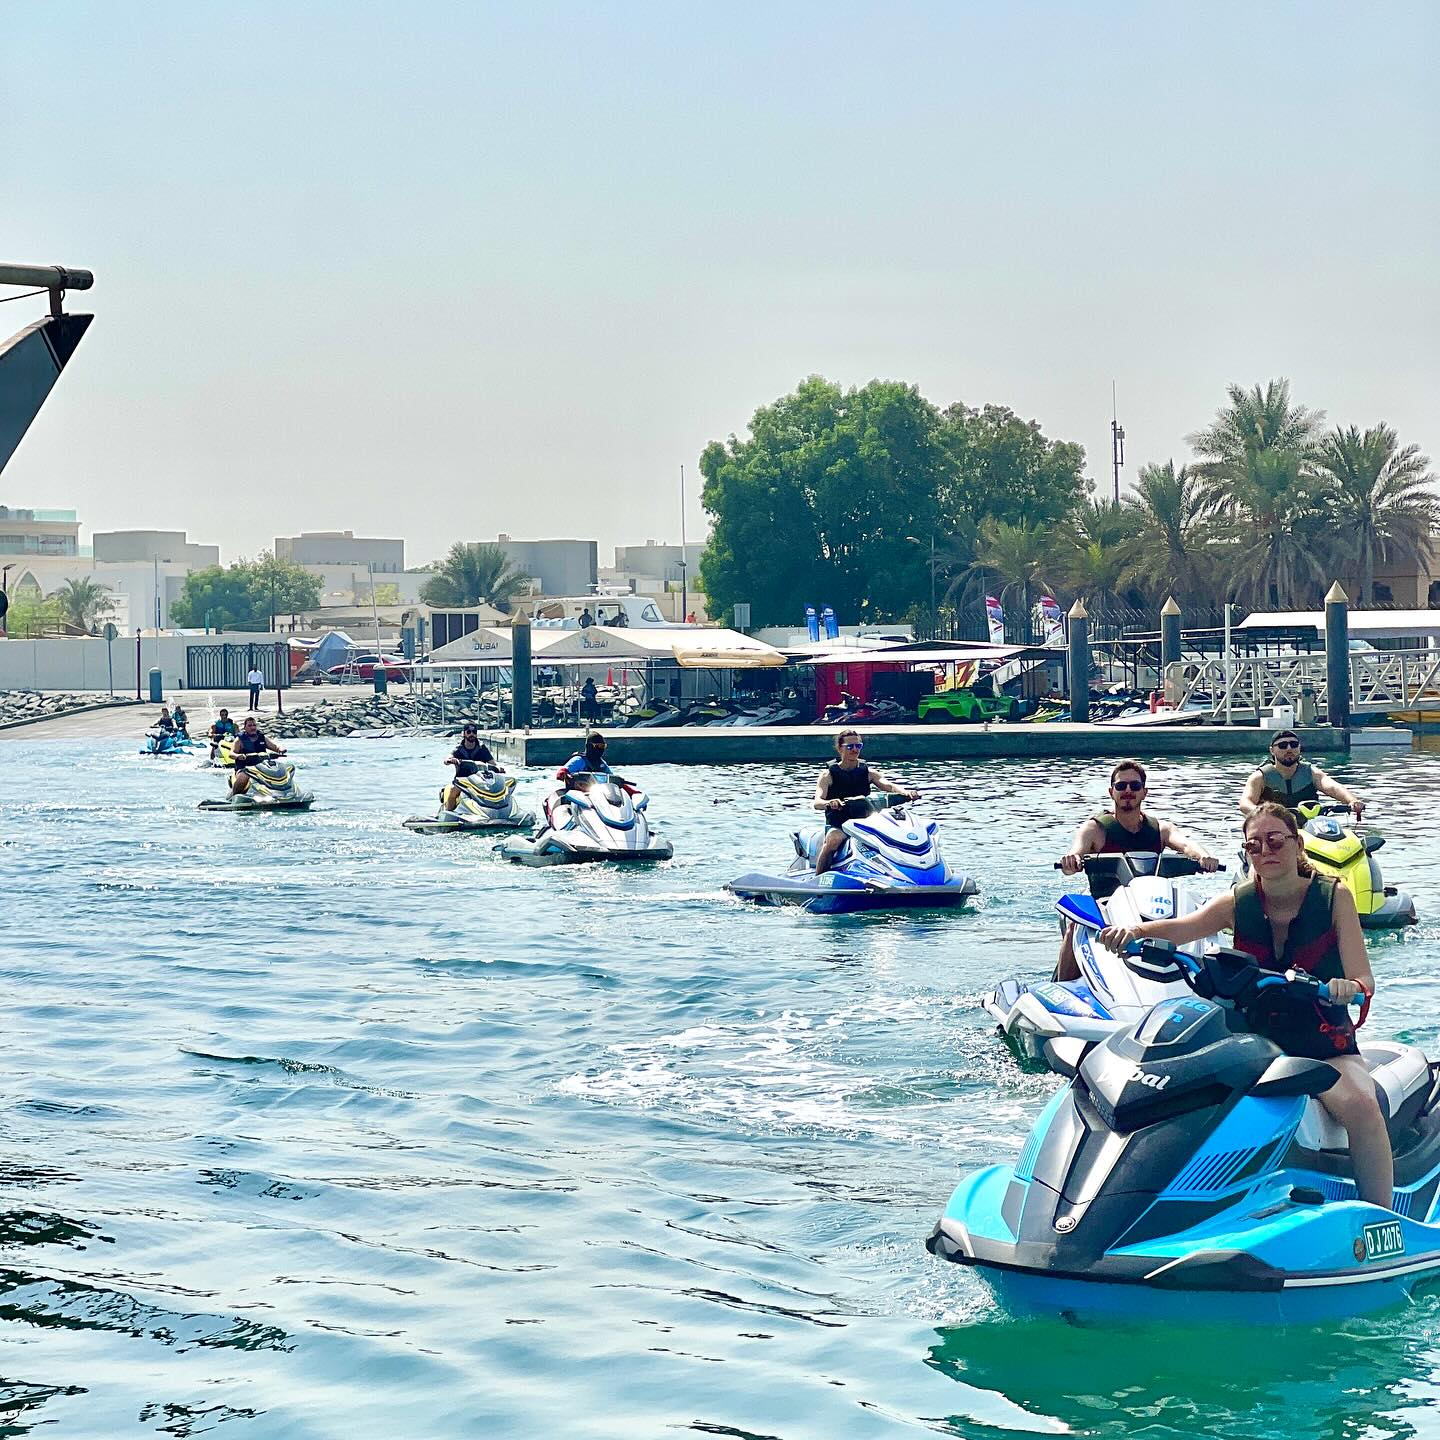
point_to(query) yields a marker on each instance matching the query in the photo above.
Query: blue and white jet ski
(1108, 995)
(1187, 1172)
(890, 860)
(592, 818)
(167, 742)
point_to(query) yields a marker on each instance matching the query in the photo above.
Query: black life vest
(1298, 790)
(1310, 944)
(250, 744)
(848, 784)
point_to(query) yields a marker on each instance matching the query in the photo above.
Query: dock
(772, 744)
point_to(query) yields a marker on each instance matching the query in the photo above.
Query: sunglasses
(1287, 745)
(853, 745)
(1274, 843)
(1136, 785)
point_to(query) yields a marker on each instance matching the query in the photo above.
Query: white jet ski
(272, 787)
(596, 818)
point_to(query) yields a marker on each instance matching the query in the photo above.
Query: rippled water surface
(314, 1127)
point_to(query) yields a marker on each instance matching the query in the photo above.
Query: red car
(363, 667)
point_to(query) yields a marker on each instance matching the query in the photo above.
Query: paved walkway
(201, 706)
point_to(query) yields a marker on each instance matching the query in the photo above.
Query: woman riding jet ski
(1188, 1172)
(262, 780)
(595, 815)
(872, 854)
(1107, 995)
(1344, 851)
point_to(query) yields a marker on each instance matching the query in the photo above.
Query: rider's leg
(1066, 967)
(834, 839)
(240, 781)
(452, 797)
(1352, 1102)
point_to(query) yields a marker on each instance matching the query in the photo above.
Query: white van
(607, 607)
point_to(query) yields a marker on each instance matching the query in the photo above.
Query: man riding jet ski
(1188, 1171)
(1106, 995)
(1125, 830)
(1346, 852)
(262, 780)
(595, 815)
(480, 798)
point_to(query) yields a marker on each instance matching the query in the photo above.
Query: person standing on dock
(1289, 781)
(840, 793)
(1125, 828)
(255, 679)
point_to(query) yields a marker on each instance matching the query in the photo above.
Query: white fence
(83, 664)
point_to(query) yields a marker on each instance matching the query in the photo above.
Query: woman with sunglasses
(1290, 781)
(1289, 918)
(840, 792)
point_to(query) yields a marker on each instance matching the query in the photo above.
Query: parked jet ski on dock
(1108, 995)
(486, 804)
(598, 819)
(1187, 1172)
(272, 787)
(890, 860)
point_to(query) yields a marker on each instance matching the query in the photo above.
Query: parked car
(363, 667)
(964, 707)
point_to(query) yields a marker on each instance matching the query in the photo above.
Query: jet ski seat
(1405, 1086)
(807, 846)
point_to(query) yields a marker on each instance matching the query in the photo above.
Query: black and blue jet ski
(1188, 1172)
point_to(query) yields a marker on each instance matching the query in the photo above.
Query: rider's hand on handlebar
(1359, 808)
(1342, 992)
(912, 794)
(1118, 937)
(1073, 863)
(834, 804)
(1209, 864)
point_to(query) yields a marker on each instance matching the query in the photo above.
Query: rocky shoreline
(340, 718)
(27, 707)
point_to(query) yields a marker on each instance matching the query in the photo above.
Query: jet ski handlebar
(1141, 862)
(1231, 975)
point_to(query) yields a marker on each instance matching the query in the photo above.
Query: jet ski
(166, 742)
(586, 822)
(224, 758)
(890, 860)
(1187, 1172)
(272, 787)
(1108, 995)
(487, 803)
(1347, 852)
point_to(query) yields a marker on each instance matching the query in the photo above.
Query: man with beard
(1125, 827)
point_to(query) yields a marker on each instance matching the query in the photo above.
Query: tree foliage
(81, 602)
(474, 574)
(245, 595)
(836, 494)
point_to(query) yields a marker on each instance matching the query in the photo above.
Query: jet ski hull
(546, 851)
(844, 895)
(250, 807)
(434, 825)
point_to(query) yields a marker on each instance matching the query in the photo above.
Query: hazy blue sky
(438, 270)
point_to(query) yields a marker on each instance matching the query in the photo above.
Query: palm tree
(1277, 530)
(1172, 546)
(82, 602)
(1384, 508)
(1017, 555)
(1256, 420)
(473, 574)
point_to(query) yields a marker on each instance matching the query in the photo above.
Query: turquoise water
(314, 1127)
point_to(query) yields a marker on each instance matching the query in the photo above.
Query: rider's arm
(1088, 840)
(1217, 914)
(881, 783)
(1176, 839)
(1253, 793)
(1352, 945)
(1328, 785)
(273, 748)
(822, 791)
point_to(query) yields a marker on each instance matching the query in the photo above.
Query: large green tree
(1017, 558)
(824, 502)
(1275, 520)
(1382, 500)
(474, 573)
(1005, 468)
(244, 596)
(1173, 552)
(82, 601)
(1257, 420)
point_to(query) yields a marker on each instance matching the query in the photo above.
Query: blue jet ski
(890, 860)
(165, 742)
(1187, 1172)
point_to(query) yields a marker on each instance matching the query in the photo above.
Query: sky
(445, 270)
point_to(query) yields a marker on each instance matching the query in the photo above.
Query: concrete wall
(656, 561)
(563, 567)
(78, 664)
(147, 546)
(341, 547)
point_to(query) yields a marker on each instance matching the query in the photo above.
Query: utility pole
(684, 593)
(1117, 441)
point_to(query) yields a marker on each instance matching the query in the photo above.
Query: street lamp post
(934, 612)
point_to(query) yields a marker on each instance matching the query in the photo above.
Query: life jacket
(1311, 944)
(848, 784)
(1118, 839)
(1299, 789)
(250, 744)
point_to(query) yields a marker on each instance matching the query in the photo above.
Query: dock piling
(1079, 640)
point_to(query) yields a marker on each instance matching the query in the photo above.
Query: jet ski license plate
(1384, 1241)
